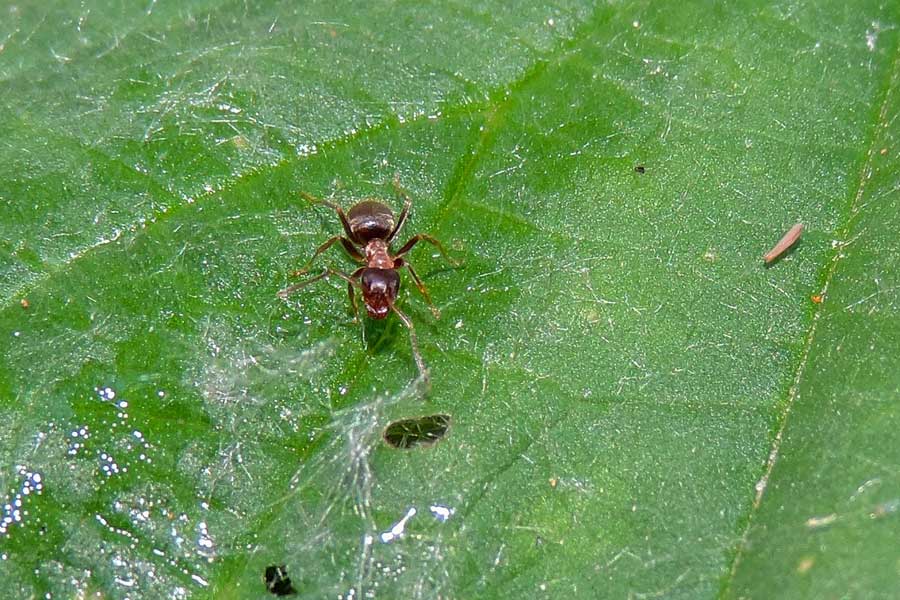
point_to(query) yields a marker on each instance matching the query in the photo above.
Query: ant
(370, 228)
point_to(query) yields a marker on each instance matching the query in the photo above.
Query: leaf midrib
(892, 81)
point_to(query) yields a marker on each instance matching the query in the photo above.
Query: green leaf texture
(639, 407)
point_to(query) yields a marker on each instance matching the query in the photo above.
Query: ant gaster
(369, 229)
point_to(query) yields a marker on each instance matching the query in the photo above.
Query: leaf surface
(638, 406)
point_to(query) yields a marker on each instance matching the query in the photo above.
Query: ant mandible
(370, 228)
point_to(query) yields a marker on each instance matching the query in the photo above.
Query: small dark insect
(640, 169)
(369, 229)
(277, 581)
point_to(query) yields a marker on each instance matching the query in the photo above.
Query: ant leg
(415, 343)
(350, 283)
(348, 246)
(407, 202)
(424, 291)
(424, 237)
(336, 208)
(298, 286)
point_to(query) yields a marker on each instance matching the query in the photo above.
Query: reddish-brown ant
(370, 228)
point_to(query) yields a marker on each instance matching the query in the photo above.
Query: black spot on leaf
(277, 581)
(420, 431)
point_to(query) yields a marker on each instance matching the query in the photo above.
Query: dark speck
(278, 582)
(421, 431)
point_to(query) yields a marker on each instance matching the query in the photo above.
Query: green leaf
(637, 406)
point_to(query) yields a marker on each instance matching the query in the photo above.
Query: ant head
(379, 289)
(369, 220)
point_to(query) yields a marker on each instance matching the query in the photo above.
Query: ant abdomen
(370, 220)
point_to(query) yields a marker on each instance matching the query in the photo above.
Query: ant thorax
(378, 255)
